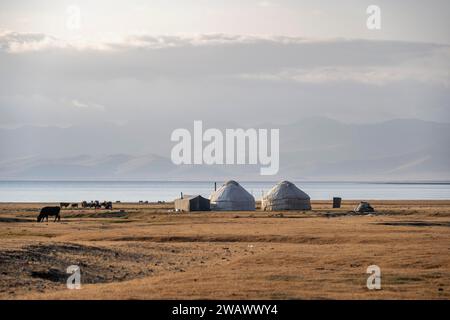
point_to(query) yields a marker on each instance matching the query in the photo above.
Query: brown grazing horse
(49, 211)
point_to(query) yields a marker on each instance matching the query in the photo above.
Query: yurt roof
(286, 190)
(231, 191)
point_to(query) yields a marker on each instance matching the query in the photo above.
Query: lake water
(133, 191)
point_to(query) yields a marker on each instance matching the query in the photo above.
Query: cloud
(431, 68)
(15, 42)
(215, 77)
(89, 105)
(378, 76)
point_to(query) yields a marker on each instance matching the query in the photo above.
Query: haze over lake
(133, 191)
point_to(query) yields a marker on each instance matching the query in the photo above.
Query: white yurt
(232, 197)
(285, 196)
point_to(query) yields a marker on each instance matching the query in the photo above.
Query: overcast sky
(408, 20)
(242, 62)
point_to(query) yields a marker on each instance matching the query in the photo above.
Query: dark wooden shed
(192, 203)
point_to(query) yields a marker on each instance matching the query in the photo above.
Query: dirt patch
(12, 220)
(52, 274)
(112, 214)
(44, 266)
(416, 223)
(229, 239)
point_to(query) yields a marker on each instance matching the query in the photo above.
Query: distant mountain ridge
(311, 149)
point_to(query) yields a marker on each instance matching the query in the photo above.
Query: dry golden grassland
(146, 252)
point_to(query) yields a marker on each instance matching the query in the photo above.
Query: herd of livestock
(92, 204)
(55, 211)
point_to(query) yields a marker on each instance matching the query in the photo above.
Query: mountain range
(310, 149)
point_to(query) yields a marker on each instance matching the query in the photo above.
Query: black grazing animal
(108, 205)
(49, 211)
(64, 204)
